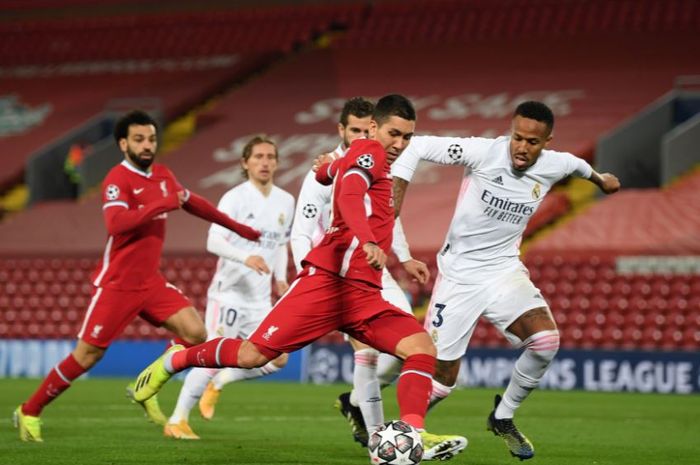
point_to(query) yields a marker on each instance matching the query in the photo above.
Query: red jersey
(135, 205)
(362, 211)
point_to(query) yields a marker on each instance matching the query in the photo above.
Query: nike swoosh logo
(138, 191)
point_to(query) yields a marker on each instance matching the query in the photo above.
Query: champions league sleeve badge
(309, 210)
(366, 161)
(455, 151)
(112, 192)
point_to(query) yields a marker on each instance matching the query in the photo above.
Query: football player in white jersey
(363, 405)
(480, 272)
(239, 295)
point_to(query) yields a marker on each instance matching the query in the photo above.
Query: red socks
(414, 387)
(217, 353)
(57, 381)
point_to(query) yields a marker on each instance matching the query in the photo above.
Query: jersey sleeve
(577, 166)
(368, 159)
(115, 191)
(228, 204)
(288, 220)
(466, 151)
(351, 205)
(218, 237)
(118, 217)
(307, 217)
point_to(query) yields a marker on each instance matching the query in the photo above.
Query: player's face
(394, 135)
(140, 145)
(262, 163)
(527, 139)
(356, 128)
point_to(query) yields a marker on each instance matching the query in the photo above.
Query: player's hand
(257, 263)
(181, 197)
(418, 270)
(610, 184)
(282, 287)
(322, 159)
(375, 255)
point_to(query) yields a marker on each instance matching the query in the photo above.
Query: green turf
(270, 423)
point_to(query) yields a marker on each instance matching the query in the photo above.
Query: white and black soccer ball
(395, 443)
(454, 151)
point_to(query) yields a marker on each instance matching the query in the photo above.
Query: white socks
(438, 393)
(230, 375)
(540, 350)
(197, 379)
(193, 388)
(388, 369)
(366, 393)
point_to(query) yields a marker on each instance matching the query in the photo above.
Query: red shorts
(319, 302)
(111, 310)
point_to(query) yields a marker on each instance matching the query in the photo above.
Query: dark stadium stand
(72, 68)
(594, 306)
(449, 22)
(170, 35)
(632, 222)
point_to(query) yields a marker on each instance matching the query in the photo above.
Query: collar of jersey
(128, 166)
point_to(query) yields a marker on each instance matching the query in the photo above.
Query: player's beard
(143, 163)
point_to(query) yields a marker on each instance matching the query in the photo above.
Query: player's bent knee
(543, 345)
(418, 343)
(281, 361)
(88, 355)
(250, 357)
(199, 337)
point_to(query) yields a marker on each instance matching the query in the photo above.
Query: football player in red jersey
(339, 287)
(137, 196)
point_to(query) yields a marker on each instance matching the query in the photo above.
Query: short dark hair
(393, 105)
(537, 111)
(248, 150)
(139, 117)
(359, 107)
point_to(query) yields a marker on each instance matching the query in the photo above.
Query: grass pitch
(279, 423)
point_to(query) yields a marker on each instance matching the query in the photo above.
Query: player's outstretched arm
(201, 207)
(607, 182)
(118, 219)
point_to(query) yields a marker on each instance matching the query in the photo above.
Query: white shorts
(455, 309)
(228, 319)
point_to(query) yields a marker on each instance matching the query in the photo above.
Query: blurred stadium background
(622, 274)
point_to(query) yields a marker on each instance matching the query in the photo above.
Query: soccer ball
(395, 443)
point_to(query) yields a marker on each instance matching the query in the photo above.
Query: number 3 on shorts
(438, 320)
